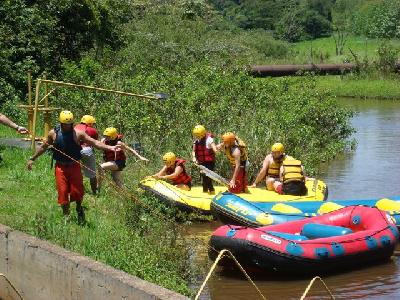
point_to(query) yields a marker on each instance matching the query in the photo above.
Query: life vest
(183, 177)
(114, 155)
(202, 153)
(243, 152)
(65, 143)
(292, 171)
(274, 167)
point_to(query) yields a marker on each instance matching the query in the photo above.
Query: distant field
(323, 50)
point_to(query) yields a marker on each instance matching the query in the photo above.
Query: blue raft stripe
(394, 231)
(288, 236)
(385, 240)
(338, 249)
(372, 243)
(231, 232)
(321, 253)
(356, 219)
(294, 249)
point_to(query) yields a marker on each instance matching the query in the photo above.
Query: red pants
(69, 183)
(241, 182)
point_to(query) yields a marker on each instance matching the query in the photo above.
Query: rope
(13, 287)
(310, 285)
(219, 257)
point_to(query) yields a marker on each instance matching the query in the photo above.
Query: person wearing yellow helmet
(203, 153)
(66, 146)
(115, 162)
(6, 121)
(174, 171)
(88, 156)
(236, 152)
(271, 167)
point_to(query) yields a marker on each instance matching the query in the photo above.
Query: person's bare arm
(262, 172)
(160, 173)
(131, 150)
(6, 121)
(236, 155)
(83, 137)
(42, 149)
(194, 154)
(214, 147)
(178, 170)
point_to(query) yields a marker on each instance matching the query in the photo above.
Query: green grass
(323, 50)
(119, 231)
(349, 86)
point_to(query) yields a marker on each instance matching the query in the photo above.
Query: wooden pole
(35, 112)
(30, 109)
(97, 89)
(46, 112)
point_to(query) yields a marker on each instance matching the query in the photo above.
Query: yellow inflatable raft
(196, 200)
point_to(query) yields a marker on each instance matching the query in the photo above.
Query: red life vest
(202, 153)
(111, 155)
(183, 177)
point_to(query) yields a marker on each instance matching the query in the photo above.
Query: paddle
(211, 174)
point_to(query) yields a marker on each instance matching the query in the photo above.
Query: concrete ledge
(41, 270)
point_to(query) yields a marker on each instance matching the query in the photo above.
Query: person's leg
(89, 167)
(117, 177)
(183, 187)
(208, 181)
(109, 166)
(76, 189)
(62, 189)
(270, 183)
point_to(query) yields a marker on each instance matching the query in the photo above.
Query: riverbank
(119, 231)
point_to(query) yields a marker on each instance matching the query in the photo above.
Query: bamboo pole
(30, 109)
(46, 112)
(35, 111)
(96, 89)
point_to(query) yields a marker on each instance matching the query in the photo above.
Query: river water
(371, 171)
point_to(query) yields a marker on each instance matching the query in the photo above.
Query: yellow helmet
(66, 117)
(88, 120)
(278, 147)
(111, 132)
(228, 137)
(199, 131)
(169, 158)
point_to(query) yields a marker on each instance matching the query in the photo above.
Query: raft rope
(10, 284)
(219, 257)
(311, 284)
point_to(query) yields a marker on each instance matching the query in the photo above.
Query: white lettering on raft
(271, 239)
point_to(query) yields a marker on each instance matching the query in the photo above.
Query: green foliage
(302, 24)
(387, 58)
(378, 19)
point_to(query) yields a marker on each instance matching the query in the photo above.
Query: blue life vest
(65, 143)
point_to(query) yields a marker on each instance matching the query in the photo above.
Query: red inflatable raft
(349, 237)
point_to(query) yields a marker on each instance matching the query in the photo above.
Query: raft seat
(315, 230)
(288, 236)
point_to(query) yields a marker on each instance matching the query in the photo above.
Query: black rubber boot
(80, 212)
(65, 209)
